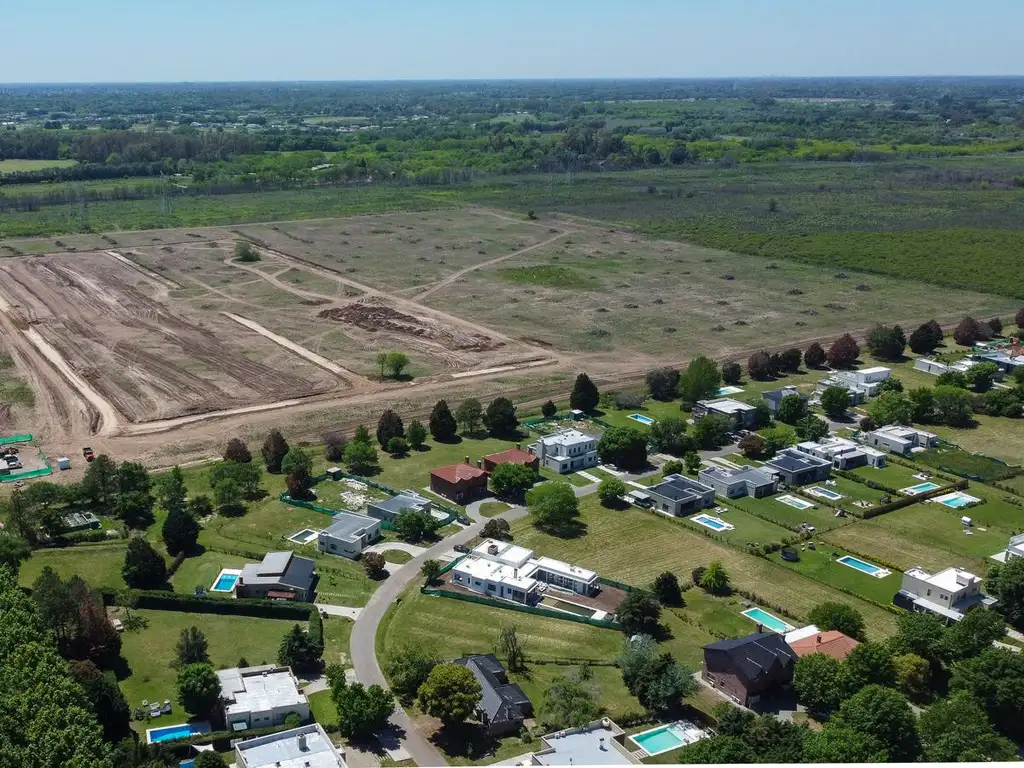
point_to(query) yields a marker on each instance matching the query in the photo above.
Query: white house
(948, 593)
(742, 415)
(260, 697)
(901, 440)
(307, 746)
(843, 453)
(1015, 548)
(735, 483)
(348, 534)
(860, 384)
(505, 570)
(567, 450)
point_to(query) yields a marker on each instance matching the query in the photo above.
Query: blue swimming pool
(920, 488)
(641, 418)
(825, 493)
(666, 737)
(225, 582)
(860, 565)
(765, 619)
(171, 732)
(711, 522)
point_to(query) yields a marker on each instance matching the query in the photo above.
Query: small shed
(63, 463)
(335, 473)
(966, 521)
(577, 414)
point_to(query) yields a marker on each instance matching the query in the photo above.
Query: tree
(836, 744)
(100, 481)
(791, 360)
(298, 468)
(952, 406)
(13, 551)
(885, 715)
(759, 366)
(237, 450)
(731, 373)
(143, 567)
(792, 408)
(510, 648)
(981, 376)
(692, 462)
(192, 648)
(891, 408)
(700, 381)
(497, 528)
(924, 340)
(584, 395)
(413, 525)
(623, 447)
(712, 431)
(450, 693)
(299, 651)
(398, 447)
(374, 564)
(912, 675)
(671, 467)
(639, 613)
(1007, 583)
(396, 362)
(334, 446)
(388, 426)
(752, 446)
(715, 579)
(835, 401)
(501, 418)
(922, 634)
(610, 491)
(210, 760)
(843, 353)
(171, 493)
(316, 632)
(887, 343)
(995, 677)
(244, 251)
(105, 699)
(1004, 402)
(871, 664)
(666, 588)
(968, 333)
(431, 570)
(718, 750)
(923, 400)
(958, 730)
(198, 688)
(275, 448)
(951, 379)
(814, 356)
(811, 428)
(568, 704)
(180, 531)
(408, 667)
(669, 436)
(469, 415)
(361, 458)
(777, 438)
(362, 711)
(247, 477)
(442, 424)
(821, 684)
(839, 617)
(553, 506)
(417, 435)
(134, 502)
(55, 606)
(657, 680)
(975, 632)
(227, 494)
(548, 410)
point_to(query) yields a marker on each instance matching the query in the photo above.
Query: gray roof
(677, 488)
(345, 525)
(756, 654)
(592, 746)
(753, 475)
(776, 395)
(400, 503)
(284, 568)
(283, 750)
(500, 700)
(794, 461)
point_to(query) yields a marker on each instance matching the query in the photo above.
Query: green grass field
(748, 528)
(492, 508)
(15, 165)
(891, 475)
(821, 565)
(821, 517)
(98, 564)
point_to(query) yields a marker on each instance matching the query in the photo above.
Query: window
(490, 587)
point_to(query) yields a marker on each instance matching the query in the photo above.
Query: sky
(227, 40)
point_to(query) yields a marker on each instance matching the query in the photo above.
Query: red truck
(88, 453)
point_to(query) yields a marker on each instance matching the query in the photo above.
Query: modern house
(348, 534)
(1015, 548)
(810, 640)
(794, 467)
(1008, 359)
(842, 453)
(512, 456)
(567, 450)
(747, 668)
(678, 495)
(503, 706)
(260, 697)
(736, 483)
(601, 742)
(948, 594)
(79, 521)
(773, 397)
(900, 440)
(742, 415)
(389, 509)
(860, 384)
(503, 570)
(281, 576)
(307, 746)
(459, 482)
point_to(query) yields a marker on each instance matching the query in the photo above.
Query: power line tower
(83, 209)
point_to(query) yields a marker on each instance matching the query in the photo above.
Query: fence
(906, 502)
(16, 439)
(603, 624)
(171, 601)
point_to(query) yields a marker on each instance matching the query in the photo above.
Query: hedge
(171, 601)
(907, 501)
(551, 614)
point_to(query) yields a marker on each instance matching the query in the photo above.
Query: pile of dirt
(380, 317)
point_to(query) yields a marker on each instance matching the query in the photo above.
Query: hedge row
(907, 501)
(171, 601)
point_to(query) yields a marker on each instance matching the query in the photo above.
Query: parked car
(462, 548)
(463, 519)
(87, 452)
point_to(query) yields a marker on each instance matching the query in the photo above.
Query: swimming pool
(794, 502)
(957, 500)
(561, 605)
(914, 490)
(666, 737)
(304, 536)
(647, 420)
(226, 580)
(714, 523)
(864, 567)
(767, 620)
(171, 732)
(825, 493)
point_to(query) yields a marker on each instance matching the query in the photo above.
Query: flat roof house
(503, 706)
(459, 482)
(348, 534)
(742, 415)
(747, 668)
(281, 576)
(307, 746)
(260, 697)
(796, 468)
(512, 456)
(79, 521)
(567, 450)
(843, 453)
(597, 743)
(948, 594)
(391, 508)
(1016, 547)
(736, 483)
(677, 495)
(901, 440)
(773, 397)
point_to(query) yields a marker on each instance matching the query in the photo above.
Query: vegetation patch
(550, 276)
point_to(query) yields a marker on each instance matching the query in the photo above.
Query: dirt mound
(380, 317)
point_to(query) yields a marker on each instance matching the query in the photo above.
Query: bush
(245, 253)
(610, 491)
(171, 601)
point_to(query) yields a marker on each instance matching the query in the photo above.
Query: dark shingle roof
(677, 487)
(499, 701)
(757, 654)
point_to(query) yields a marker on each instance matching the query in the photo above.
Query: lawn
(397, 556)
(634, 546)
(16, 165)
(993, 436)
(655, 409)
(720, 615)
(413, 471)
(202, 570)
(891, 475)
(149, 652)
(492, 508)
(98, 564)
(337, 631)
(820, 564)
(748, 528)
(850, 490)
(821, 516)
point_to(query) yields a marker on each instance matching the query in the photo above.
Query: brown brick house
(512, 456)
(459, 482)
(747, 668)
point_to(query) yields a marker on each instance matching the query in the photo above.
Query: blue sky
(215, 40)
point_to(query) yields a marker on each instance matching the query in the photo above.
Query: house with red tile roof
(831, 643)
(512, 456)
(459, 482)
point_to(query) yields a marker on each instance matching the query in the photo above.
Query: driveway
(401, 546)
(343, 611)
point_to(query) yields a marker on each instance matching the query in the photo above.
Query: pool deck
(880, 573)
(196, 728)
(225, 572)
